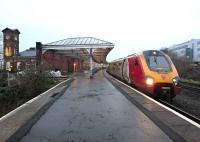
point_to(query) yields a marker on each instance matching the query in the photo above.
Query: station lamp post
(91, 67)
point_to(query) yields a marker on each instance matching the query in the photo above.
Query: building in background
(16, 61)
(189, 49)
(13, 59)
(10, 47)
(67, 60)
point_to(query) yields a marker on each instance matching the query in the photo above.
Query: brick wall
(57, 61)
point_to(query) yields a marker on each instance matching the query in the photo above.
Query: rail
(190, 86)
(190, 116)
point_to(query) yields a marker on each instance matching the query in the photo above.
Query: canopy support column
(91, 67)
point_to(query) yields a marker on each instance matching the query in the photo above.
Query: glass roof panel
(81, 41)
(82, 44)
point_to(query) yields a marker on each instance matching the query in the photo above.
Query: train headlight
(175, 81)
(149, 81)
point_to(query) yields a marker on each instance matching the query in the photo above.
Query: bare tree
(185, 67)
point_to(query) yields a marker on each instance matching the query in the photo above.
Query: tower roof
(11, 30)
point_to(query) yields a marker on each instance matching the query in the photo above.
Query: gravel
(188, 101)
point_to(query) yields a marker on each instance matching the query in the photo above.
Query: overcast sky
(132, 25)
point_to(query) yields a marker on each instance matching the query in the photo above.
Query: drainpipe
(38, 53)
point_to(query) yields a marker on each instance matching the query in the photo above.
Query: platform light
(149, 81)
(74, 67)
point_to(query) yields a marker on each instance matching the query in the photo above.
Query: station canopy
(79, 47)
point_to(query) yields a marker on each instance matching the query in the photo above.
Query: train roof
(134, 54)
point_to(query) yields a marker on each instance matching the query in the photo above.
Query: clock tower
(10, 42)
(10, 47)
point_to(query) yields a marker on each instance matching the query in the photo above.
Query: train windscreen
(157, 61)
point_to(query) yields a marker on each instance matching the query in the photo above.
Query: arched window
(8, 51)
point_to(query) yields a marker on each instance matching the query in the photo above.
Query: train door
(131, 70)
(138, 72)
(135, 71)
(70, 66)
(125, 70)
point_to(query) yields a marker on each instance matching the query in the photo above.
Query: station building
(68, 55)
(26, 59)
(189, 49)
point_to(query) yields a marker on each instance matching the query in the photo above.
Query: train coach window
(136, 62)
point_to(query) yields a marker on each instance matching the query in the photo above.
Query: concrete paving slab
(192, 133)
(170, 119)
(153, 107)
(94, 111)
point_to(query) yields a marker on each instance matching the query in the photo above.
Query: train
(151, 71)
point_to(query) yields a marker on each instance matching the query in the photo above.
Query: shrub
(32, 83)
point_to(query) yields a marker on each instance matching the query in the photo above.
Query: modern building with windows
(189, 49)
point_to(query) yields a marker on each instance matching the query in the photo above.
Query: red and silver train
(151, 71)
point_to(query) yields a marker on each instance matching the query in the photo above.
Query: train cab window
(157, 61)
(136, 62)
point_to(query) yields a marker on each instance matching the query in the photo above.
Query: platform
(94, 110)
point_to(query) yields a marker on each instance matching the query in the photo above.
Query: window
(8, 66)
(182, 52)
(156, 61)
(18, 65)
(8, 51)
(136, 62)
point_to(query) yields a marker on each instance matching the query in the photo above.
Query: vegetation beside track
(188, 71)
(23, 88)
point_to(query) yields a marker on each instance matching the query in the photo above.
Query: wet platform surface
(94, 111)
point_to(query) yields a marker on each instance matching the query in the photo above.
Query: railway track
(186, 114)
(191, 87)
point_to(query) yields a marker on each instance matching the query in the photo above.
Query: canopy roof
(79, 48)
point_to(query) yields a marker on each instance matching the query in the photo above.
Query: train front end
(161, 77)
